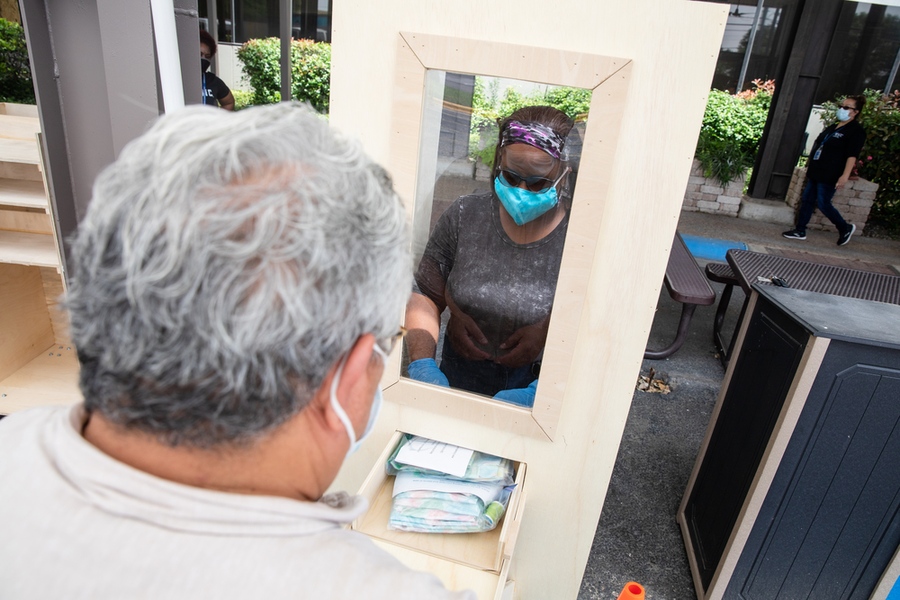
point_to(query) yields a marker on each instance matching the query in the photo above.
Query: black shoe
(796, 234)
(845, 237)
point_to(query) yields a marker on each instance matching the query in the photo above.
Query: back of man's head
(226, 262)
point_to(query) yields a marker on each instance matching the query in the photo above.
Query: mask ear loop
(336, 406)
(565, 172)
(381, 352)
(565, 194)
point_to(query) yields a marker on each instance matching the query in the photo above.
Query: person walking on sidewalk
(833, 156)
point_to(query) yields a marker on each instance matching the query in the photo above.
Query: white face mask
(373, 412)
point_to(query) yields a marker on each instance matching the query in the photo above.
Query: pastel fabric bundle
(428, 501)
(445, 512)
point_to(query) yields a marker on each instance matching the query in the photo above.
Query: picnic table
(687, 284)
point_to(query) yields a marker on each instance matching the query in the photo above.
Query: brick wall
(853, 201)
(710, 196)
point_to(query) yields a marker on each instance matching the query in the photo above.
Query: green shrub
(879, 161)
(310, 71)
(723, 160)
(485, 103)
(242, 99)
(732, 127)
(735, 119)
(488, 109)
(15, 70)
(575, 102)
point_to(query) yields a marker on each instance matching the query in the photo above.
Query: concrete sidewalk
(759, 236)
(637, 538)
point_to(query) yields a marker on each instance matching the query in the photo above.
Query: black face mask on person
(204, 65)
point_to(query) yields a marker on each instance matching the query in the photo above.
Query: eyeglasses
(392, 341)
(535, 183)
(849, 107)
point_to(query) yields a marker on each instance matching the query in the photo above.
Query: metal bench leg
(718, 340)
(687, 313)
(736, 328)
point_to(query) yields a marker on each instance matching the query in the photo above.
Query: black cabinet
(796, 490)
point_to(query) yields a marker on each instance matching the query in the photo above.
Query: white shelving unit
(38, 365)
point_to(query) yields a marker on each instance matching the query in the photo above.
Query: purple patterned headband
(533, 134)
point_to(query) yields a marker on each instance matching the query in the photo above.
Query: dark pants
(819, 195)
(482, 376)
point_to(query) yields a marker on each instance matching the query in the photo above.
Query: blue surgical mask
(842, 114)
(524, 205)
(373, 412)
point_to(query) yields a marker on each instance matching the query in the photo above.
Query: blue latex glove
(521, 396)
(427, 371)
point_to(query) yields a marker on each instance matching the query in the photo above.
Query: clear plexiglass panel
(489, 229)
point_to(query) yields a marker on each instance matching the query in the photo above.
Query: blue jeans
(482, 376)
(819, 194)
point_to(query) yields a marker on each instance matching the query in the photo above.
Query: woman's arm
(423, 324)
(227, 102)
(848, 170)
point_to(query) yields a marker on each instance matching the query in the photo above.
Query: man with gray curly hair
(236, 285)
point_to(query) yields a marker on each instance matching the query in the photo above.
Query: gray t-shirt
(502, 285)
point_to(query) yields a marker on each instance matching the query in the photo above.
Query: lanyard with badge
(822, 145)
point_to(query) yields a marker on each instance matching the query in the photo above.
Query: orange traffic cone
(632, 591)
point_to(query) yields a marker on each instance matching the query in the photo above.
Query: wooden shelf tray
(478, 561)
(19, 127)
(26, 194)
(33, 249)
(49, 379)
(487, 585)
(19, 151)
(19, 110)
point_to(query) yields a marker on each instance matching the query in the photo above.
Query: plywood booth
(37, 363)
(647, 65)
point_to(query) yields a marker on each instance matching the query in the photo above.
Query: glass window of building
(757, 33)
(243, 20)
(224, 13)
(864, 51)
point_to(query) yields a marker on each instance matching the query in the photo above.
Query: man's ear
(353, 384)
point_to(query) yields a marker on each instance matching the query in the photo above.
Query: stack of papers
(434, 456)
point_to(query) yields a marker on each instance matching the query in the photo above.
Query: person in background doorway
(831, 162)
(215, 92)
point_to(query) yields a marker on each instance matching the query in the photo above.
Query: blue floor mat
(710, 248)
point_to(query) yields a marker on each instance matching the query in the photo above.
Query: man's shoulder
(27, 423)
(382, 574)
